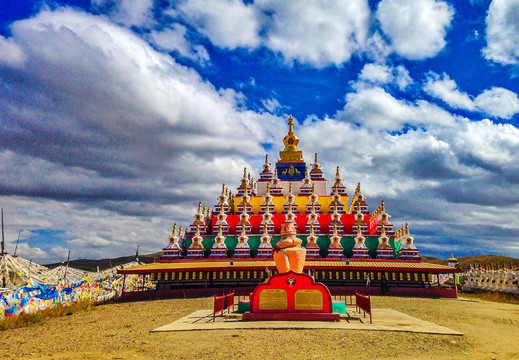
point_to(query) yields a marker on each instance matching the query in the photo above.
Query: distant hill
(91, 265)
(495, 261)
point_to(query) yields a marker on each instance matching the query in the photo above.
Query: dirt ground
(122, 331)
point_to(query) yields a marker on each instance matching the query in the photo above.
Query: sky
(118, 116)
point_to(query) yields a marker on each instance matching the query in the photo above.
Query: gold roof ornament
(291, 152)
(245, 173)
(199, 207)
(290, 188)
(337, 174)
(180, 231)
(265, 230)
(406, 229)
(313, 188)
(220, 231)
(268, 189)
(174, 232)
(197, 232)
(382, 230)
(359, 231)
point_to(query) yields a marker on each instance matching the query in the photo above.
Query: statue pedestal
(291, 296)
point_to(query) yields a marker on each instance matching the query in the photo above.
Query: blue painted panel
(291, 171)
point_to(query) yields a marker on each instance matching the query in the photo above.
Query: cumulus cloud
(378, 74)
(127, 12)
(502, 32)
(316, 33)
(98, 117)
(496, 102)
(228, 24)
(416, 29)
(10, 53)
(174, 39)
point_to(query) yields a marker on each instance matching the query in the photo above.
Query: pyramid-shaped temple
(231, 242)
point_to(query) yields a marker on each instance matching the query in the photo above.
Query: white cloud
(174, 39)
(107, 125)
(128, 12)
(378, 74)
(416, 28)
(10, 53)
(228, 24)
(496, 102)
(377, 109)
(316, 33)
(447, 90)
(502, 32)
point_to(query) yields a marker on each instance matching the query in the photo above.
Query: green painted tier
(323, 241)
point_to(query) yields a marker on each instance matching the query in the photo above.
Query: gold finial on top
(205, 208)
(382, 207)
(290, 188)
(223, 188)
(220, 233)
(222, 209)
(265, 229)
(359, 231)
(357, 190)
(291, 152)
(337, 172)
(245, 173)
(315, 158)
(197, 232)
(313, 188)
(275, 173)
(180, 231)
(382, 230)
(242, 233)
(335, 207)
(174, 232)
(312, 207)
(406, 229)
(266, 159)
(268, 188)
(199, 207)
(335, 229)
(312, 229)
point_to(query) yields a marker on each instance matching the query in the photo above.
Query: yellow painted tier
(279, 201)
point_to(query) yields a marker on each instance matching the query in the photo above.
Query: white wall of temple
(321, 187)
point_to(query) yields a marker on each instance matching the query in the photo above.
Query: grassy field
(121, 331)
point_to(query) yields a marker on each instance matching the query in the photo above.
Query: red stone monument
(290, 295)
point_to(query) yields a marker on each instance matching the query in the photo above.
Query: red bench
(364, 303)
(222, 303)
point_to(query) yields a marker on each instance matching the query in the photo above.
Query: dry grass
(121, 331)
(494, 296)
(56, 311)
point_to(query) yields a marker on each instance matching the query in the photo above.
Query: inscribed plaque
(273, 299)
(308, 299)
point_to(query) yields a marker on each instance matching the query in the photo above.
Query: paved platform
(383, 320)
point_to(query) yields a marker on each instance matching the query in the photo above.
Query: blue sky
(118, 116)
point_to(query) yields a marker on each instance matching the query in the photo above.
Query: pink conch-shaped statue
(289, 255)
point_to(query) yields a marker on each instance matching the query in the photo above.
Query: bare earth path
(122, 331)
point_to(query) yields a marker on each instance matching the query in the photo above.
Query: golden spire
(180, 231)
(242, 233)
(313, 207)
(290, 188)
(266, 159)
(406, 229)
(334, 229)
(265, 230)
(335, 208)
(382, 230)
(276, 173)
(315, 158)
(312, 233)
(313, 188)
(289, 207)
(222, 210)
(382, 207)
(174, 232)
(359, 231)
(197, 232)
(220, 233)
(268, 188)
(291, 152)
(223, 188)
(205, 208)
(357, 190)
(337, 173)
(199, 207)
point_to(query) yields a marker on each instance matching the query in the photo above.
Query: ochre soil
(122, 331)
